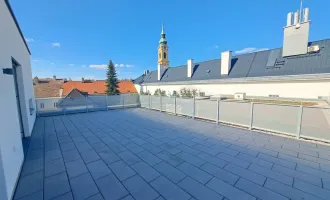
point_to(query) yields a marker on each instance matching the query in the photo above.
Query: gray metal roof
(257, 64)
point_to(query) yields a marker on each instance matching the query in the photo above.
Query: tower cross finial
(163, 31)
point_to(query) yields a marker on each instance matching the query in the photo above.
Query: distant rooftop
(256, 64)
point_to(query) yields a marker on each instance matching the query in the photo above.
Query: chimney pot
(296, 18)
(289, 19)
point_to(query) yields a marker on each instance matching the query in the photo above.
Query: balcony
(140, 153)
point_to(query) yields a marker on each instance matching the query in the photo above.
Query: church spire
(162, 40)
(163, 50)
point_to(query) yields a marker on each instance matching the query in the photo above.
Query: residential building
(96, 87)
(300, 69)
(47, 87)
(17, 105)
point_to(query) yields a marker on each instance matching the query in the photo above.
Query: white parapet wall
(309, 89)
(13, 47)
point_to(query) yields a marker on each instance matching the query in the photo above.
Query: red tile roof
(44, 88)
(97, 87)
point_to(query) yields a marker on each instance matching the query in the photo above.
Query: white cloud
(249, 50)
(35, 60)
(83, 66)
(71, 65)
(216, 46)
(56, 44)
(52, 63)
(28, 40)
(129, 66)
(103, 66)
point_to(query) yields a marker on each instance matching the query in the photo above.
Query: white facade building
(300, 69)
(17, 115)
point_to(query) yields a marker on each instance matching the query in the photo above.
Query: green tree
(111, 81)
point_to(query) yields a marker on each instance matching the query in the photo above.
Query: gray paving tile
(191, 159)
(233, 160)
(111, 188)
(56, 185)
(32, 166)
(109, 157)
(134, 148)
(194, 173)
(255, 160)
(83, 187)
(254, 177)
(258, 191)
(311, 189)
(76, 168)
(67, 196)
(96, 197)
(52, 155)
(145, 171)
(299, 175)
(220, 173)
(198, 190)
(227, 190)
(67, 146)
(98, 169)
(35, 196)
(287, 191)
(170, 172)
(89, 156)
(71, 155)
(54, 167)
(129, 197)
(149, 158)
(121, 170)
(168, 189)
(169, 148)
(211, 159)
(139, 189)
(272, 174)
(152, 148)
(278, 161)
(29, 184)
(100, 147)
(170, 159)
(83, 146)
(187, 149)
(212, 152)
(129, 157)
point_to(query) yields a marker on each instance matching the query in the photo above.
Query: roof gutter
(15, 20)
(305, 77)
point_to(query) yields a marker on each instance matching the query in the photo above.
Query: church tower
(163, 62)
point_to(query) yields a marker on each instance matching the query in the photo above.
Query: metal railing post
(149, 101)
(251, 115)
(86, 104)
(106, 99)
(123, 100)
(175, 105)
(160, 105)
(218, 105)
(193, 115)
(300, 114)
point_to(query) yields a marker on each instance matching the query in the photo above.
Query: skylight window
(208, 71)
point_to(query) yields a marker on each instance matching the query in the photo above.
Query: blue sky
(75, 38)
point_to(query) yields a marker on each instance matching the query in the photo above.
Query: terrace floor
(142, 154)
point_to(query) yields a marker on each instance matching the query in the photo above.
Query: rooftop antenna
(301, 3)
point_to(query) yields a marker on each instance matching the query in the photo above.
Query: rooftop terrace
(143, 154)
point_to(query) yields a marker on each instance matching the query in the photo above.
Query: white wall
(294, 89)
(12, 45)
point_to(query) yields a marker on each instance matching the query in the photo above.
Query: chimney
(190, 67)
(225, 62)
(159, 73)
(295, 41)
(54, 77)
(289, 19)
(61, 92)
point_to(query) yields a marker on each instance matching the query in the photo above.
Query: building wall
(12, 46)
(292, 89)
